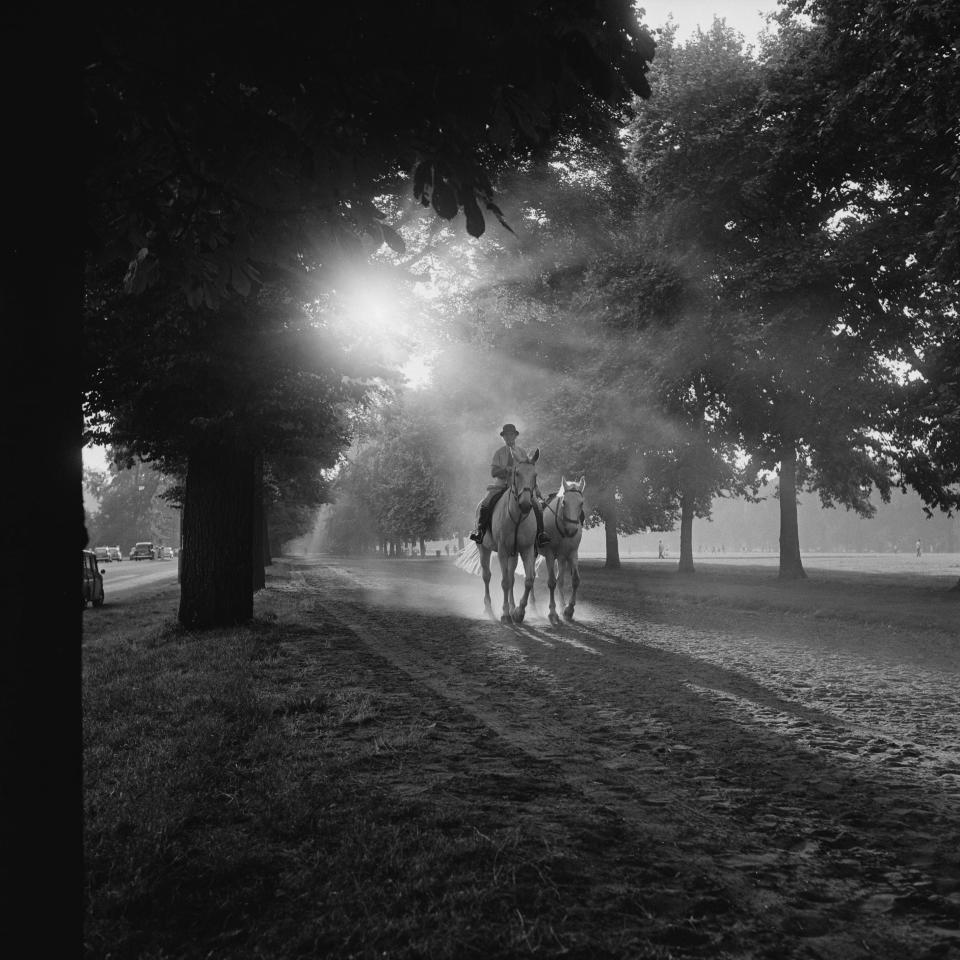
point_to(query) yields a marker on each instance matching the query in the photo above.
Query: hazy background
(743, 15)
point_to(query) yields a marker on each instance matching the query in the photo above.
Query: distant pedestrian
(660, 553)
(919, 551)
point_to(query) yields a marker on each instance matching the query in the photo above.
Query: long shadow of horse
(667, 665)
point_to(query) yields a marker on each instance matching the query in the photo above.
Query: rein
(515, 495)
(563, 518)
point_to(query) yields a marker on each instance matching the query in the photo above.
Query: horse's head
(523, 480)
(571, 500)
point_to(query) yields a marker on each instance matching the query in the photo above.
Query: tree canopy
(239, 164)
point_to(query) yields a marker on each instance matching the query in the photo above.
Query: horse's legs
(485, 573)
(575, 580)
(530, 572)
(508, 569)
(551, 562)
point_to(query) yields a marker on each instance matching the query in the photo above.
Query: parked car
(113, 553)
(92, 583)
(144, 550)
(102, 554)
(165, 553)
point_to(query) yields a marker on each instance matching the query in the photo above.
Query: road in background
(128, 574)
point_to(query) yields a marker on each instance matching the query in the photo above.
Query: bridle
(515, 495)
(561, 514)
(519, 492)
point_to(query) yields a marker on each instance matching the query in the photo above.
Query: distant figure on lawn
(660, 554)
(919, 551)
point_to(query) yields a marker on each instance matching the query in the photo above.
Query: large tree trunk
(40, 703)
(791, 566)
(258, 549)
(217, 570)
(686, 534)
(608, 510)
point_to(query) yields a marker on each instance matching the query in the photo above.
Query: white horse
(512, 533)
(563, 522)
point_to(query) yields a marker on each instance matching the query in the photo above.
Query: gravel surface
(787, 774)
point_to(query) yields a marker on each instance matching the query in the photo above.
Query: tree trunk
(40, 702)
(609, 513)
(258, 550)
(217, 567)
(791, 566)
(686, 534)
(423, 547)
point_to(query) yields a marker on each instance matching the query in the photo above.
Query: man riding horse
(500, 471)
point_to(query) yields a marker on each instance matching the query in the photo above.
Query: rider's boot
(478, 534)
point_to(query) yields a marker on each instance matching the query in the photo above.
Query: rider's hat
(509, 428)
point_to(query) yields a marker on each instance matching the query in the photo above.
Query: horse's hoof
(518, 615)
(554, 619)
(568, 613)
(505, 619)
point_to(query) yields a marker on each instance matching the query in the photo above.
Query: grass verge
(271, 792)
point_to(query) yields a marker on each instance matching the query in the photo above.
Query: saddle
(500, 491)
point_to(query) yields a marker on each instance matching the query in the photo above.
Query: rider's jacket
(500, 466)
(500, 469)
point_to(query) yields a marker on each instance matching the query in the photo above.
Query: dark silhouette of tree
(807, 391)
(874, 122)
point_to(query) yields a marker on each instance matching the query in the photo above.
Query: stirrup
(542, 539)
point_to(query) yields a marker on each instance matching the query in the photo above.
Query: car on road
(144, 550)
(113, 553)
(102, 554)
(92, 583)
(165, 553)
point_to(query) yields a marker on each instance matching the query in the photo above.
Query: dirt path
(790, 786)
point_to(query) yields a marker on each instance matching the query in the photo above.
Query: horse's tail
(469, 559)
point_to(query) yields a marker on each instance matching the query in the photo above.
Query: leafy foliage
(875, 125)
(132, 508)
(799, 316)
(242, 149)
